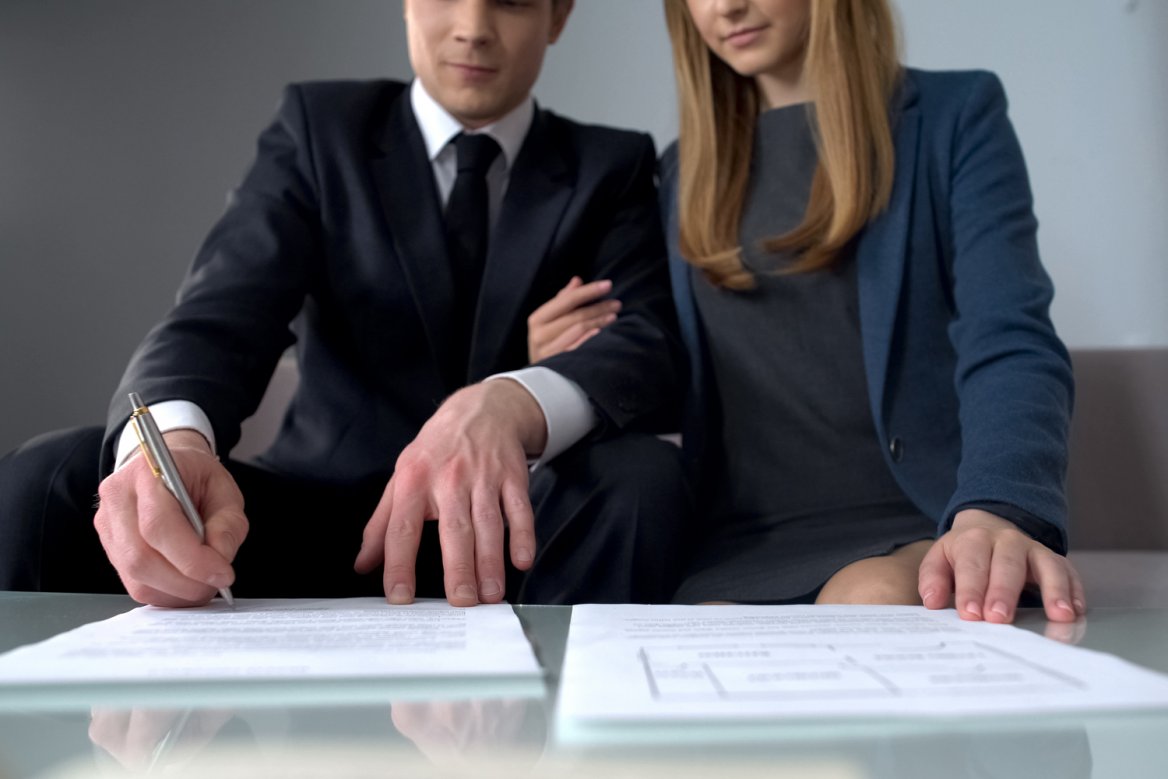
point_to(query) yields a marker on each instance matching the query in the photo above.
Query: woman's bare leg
(889, 580)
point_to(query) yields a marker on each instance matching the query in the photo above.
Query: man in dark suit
(405, 232)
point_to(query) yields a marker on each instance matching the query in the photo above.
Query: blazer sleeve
(220, 343)
(634, 369)
(1013, 374)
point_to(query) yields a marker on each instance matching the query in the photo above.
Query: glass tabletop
(441, 730)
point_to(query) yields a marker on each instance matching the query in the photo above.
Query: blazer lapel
(540, 186)
(412, 208)
(881, 254)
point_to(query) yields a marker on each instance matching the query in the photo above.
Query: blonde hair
(852, 67)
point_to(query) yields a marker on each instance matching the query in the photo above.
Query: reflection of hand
(454, 733)
(467, 469)
(152, 545)
(1066, 632)
(570, 318)
(144, 739)
(984, 561)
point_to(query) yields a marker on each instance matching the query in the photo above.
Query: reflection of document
(360, 638)
(629, 663)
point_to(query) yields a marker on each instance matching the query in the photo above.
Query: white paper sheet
(757, 663)
(358, 638)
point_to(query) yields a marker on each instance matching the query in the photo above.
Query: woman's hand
(569, 319)
(983, 563)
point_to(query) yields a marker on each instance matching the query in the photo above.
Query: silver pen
(158, 457)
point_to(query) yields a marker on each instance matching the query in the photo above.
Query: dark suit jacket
(970, 388)
(338, 226)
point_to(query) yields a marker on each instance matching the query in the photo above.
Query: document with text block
(756, 663)
(358, 638)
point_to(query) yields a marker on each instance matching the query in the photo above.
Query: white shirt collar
(439, 127)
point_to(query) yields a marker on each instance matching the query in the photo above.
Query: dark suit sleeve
(220, 343)
(633, 371)
(1013, 374)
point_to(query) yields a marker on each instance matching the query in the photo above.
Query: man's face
(480, 58)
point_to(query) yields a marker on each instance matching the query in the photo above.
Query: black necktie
(467, 223)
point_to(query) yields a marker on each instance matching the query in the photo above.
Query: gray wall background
(123, 123)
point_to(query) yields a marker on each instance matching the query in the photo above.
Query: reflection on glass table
(443, 736)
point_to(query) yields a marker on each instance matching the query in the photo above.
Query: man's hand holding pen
(153, 547)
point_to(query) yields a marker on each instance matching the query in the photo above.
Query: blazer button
(896, 449)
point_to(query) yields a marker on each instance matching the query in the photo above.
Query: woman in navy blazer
(968, 387)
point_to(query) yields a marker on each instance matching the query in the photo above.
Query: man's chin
(476, 108)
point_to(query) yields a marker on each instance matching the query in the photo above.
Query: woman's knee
(890, 580)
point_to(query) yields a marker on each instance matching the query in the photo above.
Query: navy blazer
(970, 387)
(337, 228)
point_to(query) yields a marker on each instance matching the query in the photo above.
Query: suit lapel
(881, 255)
(540, 186)
(410, 202)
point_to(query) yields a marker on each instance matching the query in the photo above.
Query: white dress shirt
(568, 414)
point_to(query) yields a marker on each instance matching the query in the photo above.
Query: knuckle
(488, 517)
(975, 536)
(460, 571)
(398, 571)
(151, 525)
(457, 523)
(398, 532)
(514, 503)
(134, 564)
(137, 591)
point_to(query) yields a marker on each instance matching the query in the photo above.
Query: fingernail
(1080, 607)
(465, 592)
(523, 555)
(401, 593)
(927, 596)
(1000, 609)
(974, 608)
(220, 580)
(491, 588)
(1062, 604)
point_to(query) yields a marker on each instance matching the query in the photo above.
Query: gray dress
(800, 487)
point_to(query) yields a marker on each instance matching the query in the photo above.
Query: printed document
(358, 638)
(632, 663)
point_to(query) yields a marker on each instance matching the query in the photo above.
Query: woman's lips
(744, 37)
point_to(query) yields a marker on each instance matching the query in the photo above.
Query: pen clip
(145, 447)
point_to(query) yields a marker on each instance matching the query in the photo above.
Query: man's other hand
(467, 469)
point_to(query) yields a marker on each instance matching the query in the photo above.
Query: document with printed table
(280, 640)
(629, 663)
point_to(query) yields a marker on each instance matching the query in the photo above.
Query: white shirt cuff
(169, 415)
(566, 410)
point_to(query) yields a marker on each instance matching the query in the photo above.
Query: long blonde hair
(853, 68)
